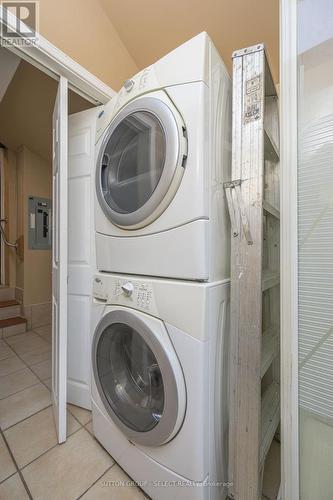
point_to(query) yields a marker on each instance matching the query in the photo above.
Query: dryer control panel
(130, 292)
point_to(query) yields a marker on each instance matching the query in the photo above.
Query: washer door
(138, 377)
(140, 164)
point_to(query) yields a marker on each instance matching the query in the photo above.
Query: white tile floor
(32, 464)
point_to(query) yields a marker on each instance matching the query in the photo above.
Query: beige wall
(10, 212)
(20, 219)
(33, 274)
(82, 29)
(151, 28)
(26, 110)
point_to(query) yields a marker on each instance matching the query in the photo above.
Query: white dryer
(162, 155)
(159, 384)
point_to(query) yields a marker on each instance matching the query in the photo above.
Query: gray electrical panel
(40, 223)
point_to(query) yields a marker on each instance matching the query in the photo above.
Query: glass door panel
(315, 247)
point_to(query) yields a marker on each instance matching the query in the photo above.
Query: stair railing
(4, 237)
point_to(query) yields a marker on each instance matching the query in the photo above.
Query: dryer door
(138, 376)
(140, 164)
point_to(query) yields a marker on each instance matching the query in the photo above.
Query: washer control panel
(136, 293)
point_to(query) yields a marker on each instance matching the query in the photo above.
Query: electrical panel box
(40, 223)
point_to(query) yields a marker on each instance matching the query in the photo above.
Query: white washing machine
(162, 155)
(159, 384)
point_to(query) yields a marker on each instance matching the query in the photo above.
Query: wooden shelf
(269, 349)
(270, 418)
(269, 279)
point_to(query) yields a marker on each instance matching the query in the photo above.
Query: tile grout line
(17, 468)
(26, 364)
(40, 381)
(107, 470)
(28, 352)
(23, 333)
(81, 426)
(26, 418)
(93, 484)
(21, 359)
(41, 336)
(54, 446)
(20, 369)
(49, 449)
(91, 434)
(10, 475)
(21, 390)
(10, 356)
(75, 418)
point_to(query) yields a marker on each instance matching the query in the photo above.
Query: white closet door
(81, 253)
(59, 259)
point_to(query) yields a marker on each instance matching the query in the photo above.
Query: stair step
(13, 326)
(17, 320)
(9, 303)
(10, 309)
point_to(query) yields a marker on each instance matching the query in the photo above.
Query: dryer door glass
(130, 377)
(140, 162)
(133, 162)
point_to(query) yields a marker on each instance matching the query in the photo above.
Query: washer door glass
(130, 377)
(133, 162)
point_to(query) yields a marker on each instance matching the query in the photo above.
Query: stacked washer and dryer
(160, 348)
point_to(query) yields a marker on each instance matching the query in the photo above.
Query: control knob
(128, 85)
(127, 288)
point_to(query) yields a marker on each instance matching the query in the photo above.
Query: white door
(81, 253)
(59, 259)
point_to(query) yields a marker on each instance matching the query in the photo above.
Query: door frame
(2, 215)
(52, 61)
(60, 258)
(289, 251)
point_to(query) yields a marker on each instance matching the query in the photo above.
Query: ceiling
(151, 28)
(8, 64)
(27, 107)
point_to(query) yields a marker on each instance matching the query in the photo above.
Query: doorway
(26, 132)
